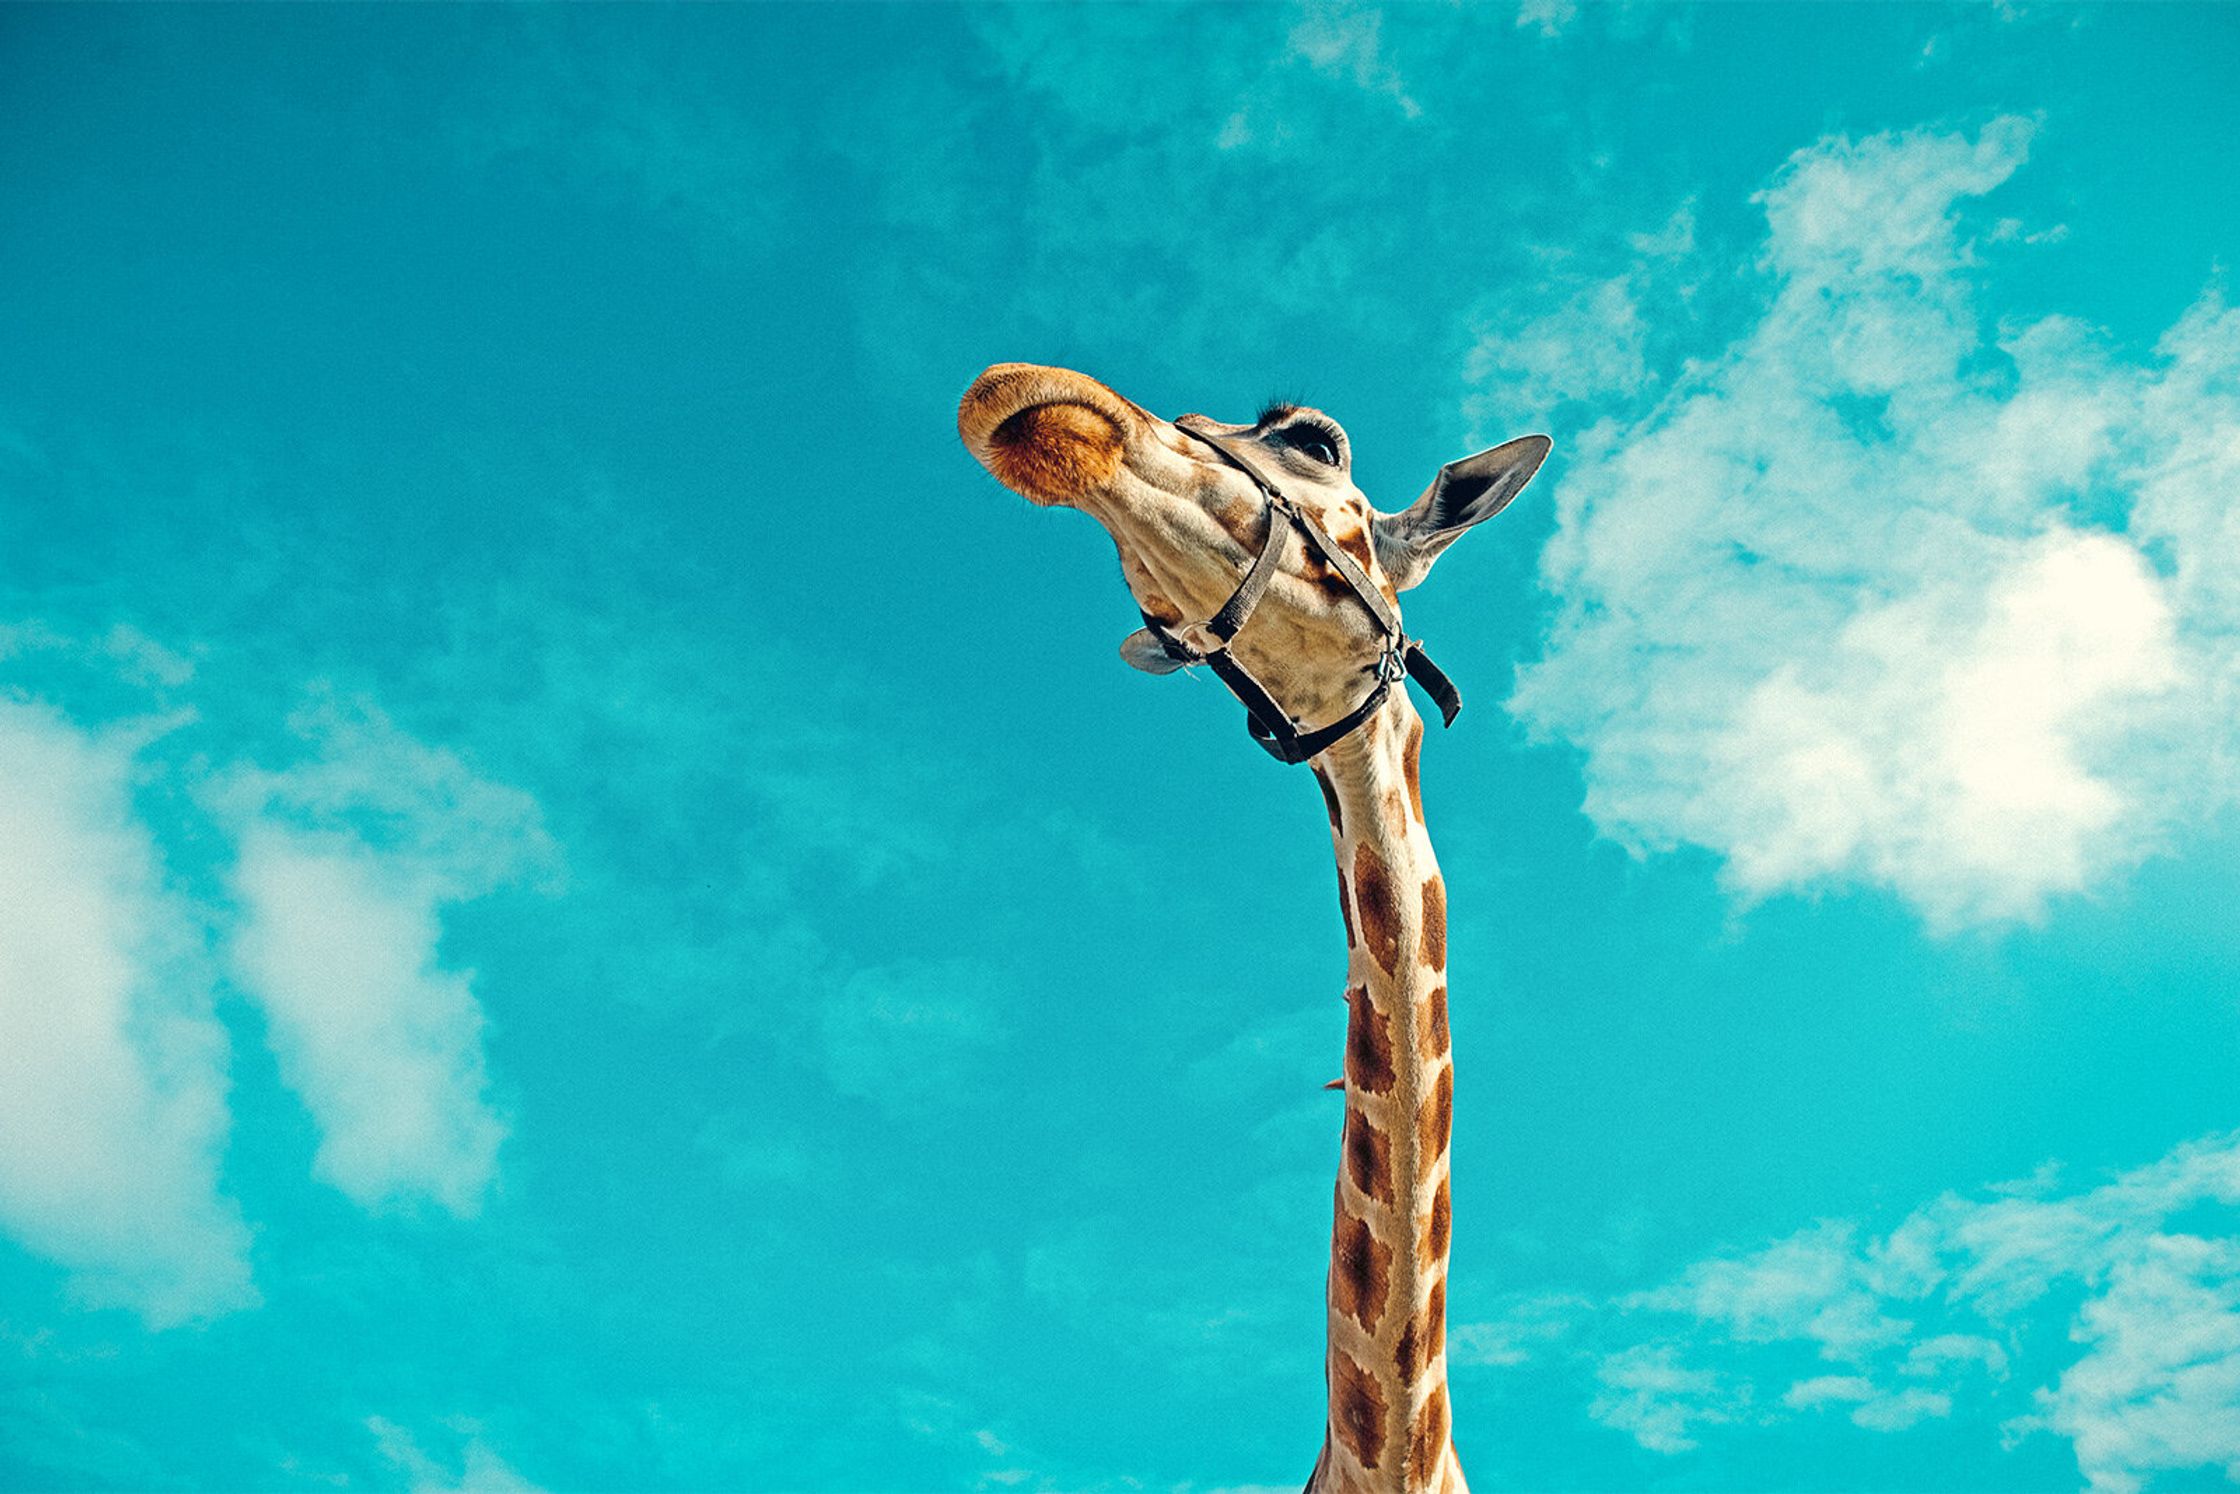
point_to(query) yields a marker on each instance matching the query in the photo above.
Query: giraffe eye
(1316, 442)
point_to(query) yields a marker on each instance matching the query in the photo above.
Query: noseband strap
(1402, 658)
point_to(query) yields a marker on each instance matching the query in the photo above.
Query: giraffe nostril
(1016, 430)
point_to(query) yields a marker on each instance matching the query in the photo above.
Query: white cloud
(1941, 1354)
(1593, 344)
(1902, 1409)
(112, 1068)
(417, 805)
(1870, 1407)
(1347, 42)
(1959, 743)
(1525, 1326)
(2159, 1384)
(2121, 1304)
(1548, 17)
(1812, 1286)
(344, 863)
(1871, 598)
(123, 649)
(1647, 1393)
(382, 1043)
(479, 1468)
(113, 1083)
(1823, 1389)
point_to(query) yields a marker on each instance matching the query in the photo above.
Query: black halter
(1402, 656)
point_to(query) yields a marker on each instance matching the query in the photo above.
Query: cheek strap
(1155, 649)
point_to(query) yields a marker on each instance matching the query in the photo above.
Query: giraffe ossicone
(1188, 526)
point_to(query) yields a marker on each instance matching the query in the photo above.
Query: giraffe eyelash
(1317, 425)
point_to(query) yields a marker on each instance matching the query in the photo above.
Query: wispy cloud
(1347, 42)
(2107, 1315)
(112, 1067)
(1647, 1393)
(1548, 17)
(1869, 1406)
(1871, 598)
(344, 863)
(123, 649)
(2158, 1386)
(1594, 345)
(133, 850)
(476, 1468)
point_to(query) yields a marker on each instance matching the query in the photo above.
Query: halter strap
(1271, 726)
(1224, 624)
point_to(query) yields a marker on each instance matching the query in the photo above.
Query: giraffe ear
(1143, 649)
(1465, 492)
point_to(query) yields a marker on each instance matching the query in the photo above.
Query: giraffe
(1189, 521)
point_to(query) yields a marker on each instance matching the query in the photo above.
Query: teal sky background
(586, 903)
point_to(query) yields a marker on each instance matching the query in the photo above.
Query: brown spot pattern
(1390, 803)
(1345, 908)
(1356, 1409)
(1368, 1044)
(1427, 1439)
(1240, 518)
(1379, 908)
(1434, 946)
(1413, 760)
(1356, 544)
(1435, 1321)
(1440, 1233)
(1329, 801)
(1424, 1338)
(1408, 1356)
(1438, 1117)
(1368, 1157)
(1360, 1271)
(1431, 1025)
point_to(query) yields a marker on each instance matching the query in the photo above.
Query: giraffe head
(1187, 523)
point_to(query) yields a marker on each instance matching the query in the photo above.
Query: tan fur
(1055, 453)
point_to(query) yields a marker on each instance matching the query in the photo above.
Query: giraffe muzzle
(1051, 435)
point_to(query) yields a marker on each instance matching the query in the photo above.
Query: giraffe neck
(1386, 1367)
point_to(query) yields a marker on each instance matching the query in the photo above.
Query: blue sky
(586, 904)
